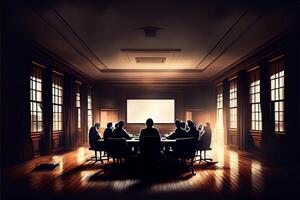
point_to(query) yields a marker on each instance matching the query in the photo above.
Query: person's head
(117, 125)
(109, 125)
(182, 124)
(200, 126)
(97, 125)
(149, 122)
(208, 124)
(121, 124)
(190, 123)
(177, 123)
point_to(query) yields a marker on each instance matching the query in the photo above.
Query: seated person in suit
(179, 132)
(183, 126)
(119, 132)
(108, 131)
(150, 145)
(201, 130)
(192, 132)
(149, 130)
(205, 139)
(94, 136)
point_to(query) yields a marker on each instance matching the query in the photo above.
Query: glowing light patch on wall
(160, 110)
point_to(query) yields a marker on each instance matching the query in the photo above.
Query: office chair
(185, 149)
(204, 145)
(150, 151)
(99, 148)
(117, 148)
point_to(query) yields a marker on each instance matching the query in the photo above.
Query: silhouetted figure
(150, 145)
(116, 125)
(94, 136)
(179, 132)
(119, 132)
(205, 139)
(183, 126)
(201, 130)
(205, 142)
(108, 131)
(192, 132)
(149, 131)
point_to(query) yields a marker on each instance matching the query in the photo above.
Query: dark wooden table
(134, 143)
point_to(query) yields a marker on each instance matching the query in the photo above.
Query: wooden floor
(236, 175)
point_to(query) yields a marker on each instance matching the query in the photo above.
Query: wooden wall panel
(188, 97)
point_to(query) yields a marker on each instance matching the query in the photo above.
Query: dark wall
(15, 67)
(278, 147)
(199, 97)
(17, 54)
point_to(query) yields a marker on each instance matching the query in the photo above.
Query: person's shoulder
(143, 131)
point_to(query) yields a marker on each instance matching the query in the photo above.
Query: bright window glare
(160, 110)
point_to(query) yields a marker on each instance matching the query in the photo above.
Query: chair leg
(101, 156)
(95, 158)
(200, 157)
(205, 158)
(192, 166)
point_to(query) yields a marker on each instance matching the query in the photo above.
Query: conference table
(134, 143)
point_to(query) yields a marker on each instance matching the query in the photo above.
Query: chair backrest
(186, 147)
(205, 141)
(92, 144)
(116, 147)
(150, 147)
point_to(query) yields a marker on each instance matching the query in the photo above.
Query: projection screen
(160, 110)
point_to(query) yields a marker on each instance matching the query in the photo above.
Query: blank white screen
(160, 110)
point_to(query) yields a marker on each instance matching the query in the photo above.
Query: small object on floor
(46, 166)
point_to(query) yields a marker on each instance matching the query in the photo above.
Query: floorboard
(235, 175)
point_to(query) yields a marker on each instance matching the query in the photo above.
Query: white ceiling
(209, 36)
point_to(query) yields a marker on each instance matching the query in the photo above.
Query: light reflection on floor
(225, 171)
(256, 176)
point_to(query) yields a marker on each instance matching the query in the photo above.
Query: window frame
(255, 112)
(90, 108)
(78, 106)
(36, 86)
(220, 106)
(277, 95)
(233, 90)
(57, 102)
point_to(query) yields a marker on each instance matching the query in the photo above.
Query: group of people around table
(182, 130)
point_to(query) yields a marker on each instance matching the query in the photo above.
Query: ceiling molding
(234, 41)
(44, 55)
(76, 35)
(222, 38)
(151, 70)
(273, 47)
(152, 81)
(49, 23)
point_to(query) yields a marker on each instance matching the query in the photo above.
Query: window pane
(36, 101)
(277, 93)
(57, 95)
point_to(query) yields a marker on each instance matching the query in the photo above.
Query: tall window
(219, 127)
(254, 94)
(78, 106)
(90, 111)
(220, 107)
(57, 99)
(277, 94)
(36, 101)
(233, 104)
